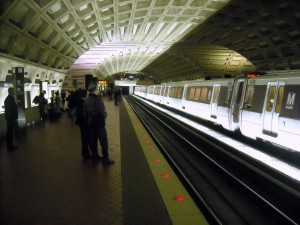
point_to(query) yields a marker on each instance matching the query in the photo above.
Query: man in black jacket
(43, 102)
(11, 115)
(95, 115)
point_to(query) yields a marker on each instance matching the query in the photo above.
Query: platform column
(18, 82)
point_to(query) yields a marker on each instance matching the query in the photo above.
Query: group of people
(115, 94)
(90, 117)
(88, 112)
(53, 110)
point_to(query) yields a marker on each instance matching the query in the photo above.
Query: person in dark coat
(11, 115)
(43, 102)
(117, 96)
(95, 116)
(80, 121)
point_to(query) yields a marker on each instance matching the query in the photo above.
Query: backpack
(36, 100)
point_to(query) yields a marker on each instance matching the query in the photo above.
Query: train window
(228, 95)
(205, 94)
(240, 91)
(150, 90)
(166, 91)
(271, 97)
(209, 94)
(216, 94)
(191, 93)
(279, 99)
(258, 101)
(174, 92)
(163, 91)
(222, 96)
(197, 94)
(171, 92)
(249, 96)
(179, 92)
(157, 90)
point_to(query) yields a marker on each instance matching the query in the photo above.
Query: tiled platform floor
(45, 181)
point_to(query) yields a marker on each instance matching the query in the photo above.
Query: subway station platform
(46, 182)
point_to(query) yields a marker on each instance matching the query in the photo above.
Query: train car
(265, 107)
(153, 92)
(174, 95)
(210, 100)
(159, 93)
(271, 110)
(164, 94)
(141, 91)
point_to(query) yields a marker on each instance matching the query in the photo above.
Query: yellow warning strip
(179, 204)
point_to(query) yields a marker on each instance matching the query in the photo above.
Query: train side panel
(198, 97)
(210, 100)
(150, 93)
(271, 110)
(163, 94)
(174, 95)
(141, 91)
(220, 103)
(157, 93)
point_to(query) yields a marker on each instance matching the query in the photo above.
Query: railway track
(229, 187)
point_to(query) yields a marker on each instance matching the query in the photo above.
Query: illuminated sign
(102, 82)
(255, 74)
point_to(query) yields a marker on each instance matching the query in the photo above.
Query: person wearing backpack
(95, 116)
(80, 121)
(43, 103)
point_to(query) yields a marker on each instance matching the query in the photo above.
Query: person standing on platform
(72, 99)
(11, 115)
(95, 116)
(66, 103)
(42, 106)
(57, 104)
(80, 121)
(63, 99)
(117, 96)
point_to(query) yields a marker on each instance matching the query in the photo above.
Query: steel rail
(211, 160)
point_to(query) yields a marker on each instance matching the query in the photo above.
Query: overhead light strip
(147, 27)
(159, 28)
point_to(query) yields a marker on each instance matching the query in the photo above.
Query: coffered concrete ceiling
(171, 40)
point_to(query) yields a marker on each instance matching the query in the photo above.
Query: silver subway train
(265, 107)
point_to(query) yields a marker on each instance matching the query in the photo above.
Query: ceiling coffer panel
(210, 36)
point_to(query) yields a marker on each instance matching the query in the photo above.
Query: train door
(214, 101)
(167, 92)
(184, 96)
(237, 96)
(272, 108)
(162, 93)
